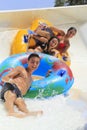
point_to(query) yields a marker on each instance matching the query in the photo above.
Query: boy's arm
(11, 74)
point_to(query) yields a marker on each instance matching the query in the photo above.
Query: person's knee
(20, 101)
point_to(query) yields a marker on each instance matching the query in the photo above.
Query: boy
(16, 84)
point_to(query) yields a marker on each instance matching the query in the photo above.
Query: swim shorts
(12, 87)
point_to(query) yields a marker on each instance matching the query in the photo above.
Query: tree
(69, 2)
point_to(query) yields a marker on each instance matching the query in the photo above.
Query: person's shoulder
(20, 68)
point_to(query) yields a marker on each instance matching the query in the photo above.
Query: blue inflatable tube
(59, 80)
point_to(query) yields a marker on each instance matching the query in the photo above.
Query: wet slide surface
(60, 113)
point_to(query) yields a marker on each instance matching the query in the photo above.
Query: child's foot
(17, 115)
(36, 113)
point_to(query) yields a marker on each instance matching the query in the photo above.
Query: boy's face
(33, 63)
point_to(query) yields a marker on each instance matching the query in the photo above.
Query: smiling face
(33, 63)
(53, 43)
(71, 33)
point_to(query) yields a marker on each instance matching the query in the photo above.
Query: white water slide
(60, 113)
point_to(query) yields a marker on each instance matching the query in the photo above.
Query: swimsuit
(61, 45)
(41, 44)
(12, 87)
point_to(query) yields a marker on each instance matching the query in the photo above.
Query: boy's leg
(22, 106)
(9, 104)
(9, 101)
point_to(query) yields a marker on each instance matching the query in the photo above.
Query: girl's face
(71, 33)
(53, 43)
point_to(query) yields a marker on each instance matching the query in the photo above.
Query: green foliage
(69, 2)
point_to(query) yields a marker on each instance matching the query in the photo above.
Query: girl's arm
(56, 30)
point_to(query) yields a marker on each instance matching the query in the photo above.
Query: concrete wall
(83, 33)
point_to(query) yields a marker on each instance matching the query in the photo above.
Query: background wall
(83, 31)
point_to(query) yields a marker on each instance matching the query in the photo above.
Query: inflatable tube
(65, 58)
(19, 43)
(36, 23)
(58, 82)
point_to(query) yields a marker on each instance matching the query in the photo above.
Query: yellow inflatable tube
(36, 23)
(19, 45)
(65, 58)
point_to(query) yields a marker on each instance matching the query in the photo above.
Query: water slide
(60, 113)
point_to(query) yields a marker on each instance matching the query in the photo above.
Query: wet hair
(72, 28)
(33, 55)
